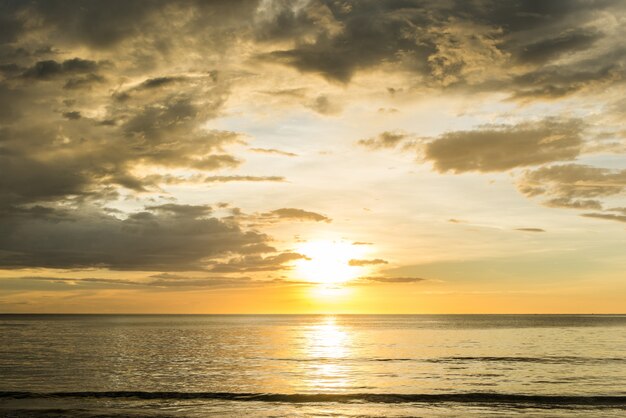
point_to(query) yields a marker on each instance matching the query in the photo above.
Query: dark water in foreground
(378, 365)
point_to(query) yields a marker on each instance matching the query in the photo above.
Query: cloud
(530, 229)
(163, 281)
(324, 105)
(187, 211)
(72, 115)
(568, 202)
(168, 237)
(127, 23)
(49, 159)
(608, 216)
(567, 42)
(385, 279)
(360, 263)
(556, 81)
(488, 45)
(574, 186)
(227, 179)
(250, 263)
(385, 139)
(94, 97)
(345, 38)
(81, 72)
(503, 147)
(215, 162)
(620, 210)
(296, 215)
(163, 117)
(491, 148)
(158, 82)
(273, 151)
(45, 70)
(518, 47)
(160, 179)
(83, 82)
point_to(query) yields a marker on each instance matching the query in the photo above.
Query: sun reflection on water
(327, 340)
(327, 345)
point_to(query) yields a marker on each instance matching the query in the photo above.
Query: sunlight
(327, 342)
(329, 291)
(328, 262)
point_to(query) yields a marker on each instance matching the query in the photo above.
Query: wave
(475, 398)
(547, 359)
(457, 359)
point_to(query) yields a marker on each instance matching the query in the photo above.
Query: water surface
(291, 365)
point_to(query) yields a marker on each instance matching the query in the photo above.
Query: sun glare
(328, 262)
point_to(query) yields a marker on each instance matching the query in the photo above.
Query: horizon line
(303, 314)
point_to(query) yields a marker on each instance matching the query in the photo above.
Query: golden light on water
(328, 262)
(326, 343)
(327, 340)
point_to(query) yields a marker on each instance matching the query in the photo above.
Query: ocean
(312, 365)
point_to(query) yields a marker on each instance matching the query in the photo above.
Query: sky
(312, 156)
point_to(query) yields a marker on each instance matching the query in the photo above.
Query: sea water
(312, 365)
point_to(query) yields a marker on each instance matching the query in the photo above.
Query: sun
(328, 262)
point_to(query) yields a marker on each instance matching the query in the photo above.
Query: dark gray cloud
(45, 70)
(347, 38)
(164, 237)
(72, 115)
(455, 43)
(49, 159)
(569, 41)
(93, 24)
(100, 26)
(11, 24)
(514, 46)
(83, 82)
(157, 82)
(109, 129)
(556, 81)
